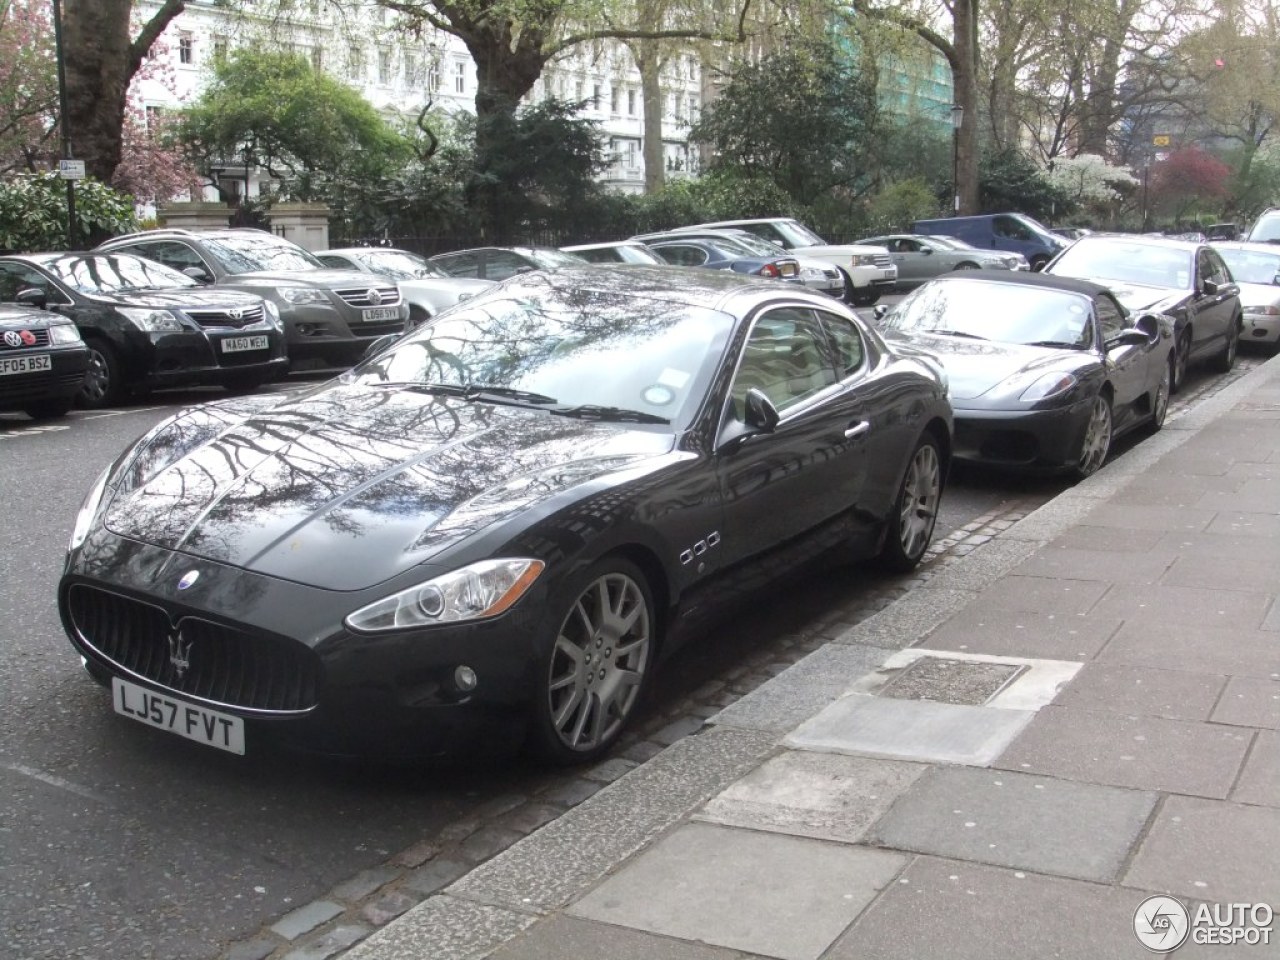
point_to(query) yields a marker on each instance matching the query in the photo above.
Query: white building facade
(398, 71)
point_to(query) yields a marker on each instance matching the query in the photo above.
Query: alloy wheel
(921, 491)
(97, 379)
(598, 664)
(1097, 438)
(1160, 403)
(1181, 351)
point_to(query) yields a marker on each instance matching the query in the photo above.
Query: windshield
(1004, 312)
(246, 253)
(1248, 266)
(755, 246)
(1129, 261)
(115, 273)
(399, 264)
(1266, 230)
(606, 348)
(797, 235)
(549, 258)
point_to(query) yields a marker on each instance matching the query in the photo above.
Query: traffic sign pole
(72, 232)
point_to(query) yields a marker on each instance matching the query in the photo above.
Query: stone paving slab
(910, 618)
(1210, 850)
(1147, 753)
(1024, 634)
(952, 910)
(1159, 605)
(1197, 648)
(1159, 490)
(567, 938)
(1145, 691)
(1130, 516)
(1104, 565)
(1016, 594)
(1014, 820)
(1259, 574)
(703, 883)
(813, 795)
(1239, 523)
(1250, 702)
(443, 928)
(1109, 539)
(1260, 782)
(1210, 547)
(910, 730)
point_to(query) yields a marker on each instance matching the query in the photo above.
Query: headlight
(1049, 385)
(64, 333)
(272, 313)
(88, 509)
(475, 592)
(304, 295)
(152, 321)
(863, 260)
(1258, 310)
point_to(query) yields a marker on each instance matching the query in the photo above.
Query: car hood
(444, 287)
(185, 298)
(974, 367)
(18, 318)
(1147, 299)
(347, 486)
(330, 279)
(841, 250)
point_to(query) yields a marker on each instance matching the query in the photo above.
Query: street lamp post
(62, 122)
(957, 118)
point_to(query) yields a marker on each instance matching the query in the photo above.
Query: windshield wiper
(473, 392)
(957, 333)
(590, 411)
(1056, 343)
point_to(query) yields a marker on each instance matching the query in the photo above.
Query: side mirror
(1149, 327)
(32, 297)
(198, 274)
(1209, 288)
(927, 251)
(761, 414)
(880, 311)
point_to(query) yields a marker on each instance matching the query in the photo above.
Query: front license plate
(382, 313)
(32, 364)
(240, 344)
(200, 724)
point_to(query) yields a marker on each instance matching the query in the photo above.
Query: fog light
(465, 678)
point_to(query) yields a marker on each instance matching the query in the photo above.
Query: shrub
(33, 213)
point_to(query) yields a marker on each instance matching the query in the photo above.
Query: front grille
(883, 260)
(227, 317)
(41, 340)
(227, 666)
(360, 296)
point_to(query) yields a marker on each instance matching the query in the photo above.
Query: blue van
(999, 231)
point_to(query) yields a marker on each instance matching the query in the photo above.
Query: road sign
(1161, 140)
(71, 169)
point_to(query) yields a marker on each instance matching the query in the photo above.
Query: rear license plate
(240, 344)
(381, 313)
(200, 724)
(33, 364)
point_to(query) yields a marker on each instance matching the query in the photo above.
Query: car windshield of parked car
(1003, 312)
(798, 235)
(1151, 264)
(568, 348)
(247, 253)
(1266, 230)
(549, 258)
(754, 246)
(1249, 266)
(400, 265)
(114, 273)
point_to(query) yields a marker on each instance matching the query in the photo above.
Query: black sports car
(505, 517)
(1044, 371)
(42, 362)
(148, 326)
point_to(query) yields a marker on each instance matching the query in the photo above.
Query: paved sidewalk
(1004, 763)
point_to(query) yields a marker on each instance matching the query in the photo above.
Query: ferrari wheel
(1097, 439)
(916, 510)
(597, 665)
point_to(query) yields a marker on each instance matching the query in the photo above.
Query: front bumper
(196, 358)
(63, 380)
(1027, 440)
(276, 654)
(1260, 329)
(322, 331)
(880, 277)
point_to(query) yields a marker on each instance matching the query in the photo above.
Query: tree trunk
(649, 63)
(965, 80)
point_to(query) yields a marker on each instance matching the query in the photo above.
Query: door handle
(857, 430)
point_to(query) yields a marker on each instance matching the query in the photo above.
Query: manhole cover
(951, 681)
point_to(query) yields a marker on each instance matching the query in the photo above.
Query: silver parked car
(920, 258)
(1255, 267)
(425, 287)
(814, 273)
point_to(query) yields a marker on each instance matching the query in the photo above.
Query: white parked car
(425, 287)
(1255, 267)
(868, 271)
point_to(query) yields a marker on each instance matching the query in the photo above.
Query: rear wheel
(1227, 358)
(1181, 354)
(1160, 399)
(597, 663)
(102, 381)
(916, 510)
(1097, 439)
(50, 409)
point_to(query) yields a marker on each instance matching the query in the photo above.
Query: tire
(915, 511)
(1096, 443)
(417, 317)
(1181, 355)
(50, 409)
(1160, 402)
(243, 383)
(102, 381)
(1038, 263)
(596, 662)
(864, 297)
(965, 266)
(1224, 361)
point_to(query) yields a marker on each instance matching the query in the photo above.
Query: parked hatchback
(42, 361)
(148, 326)
(329, 316)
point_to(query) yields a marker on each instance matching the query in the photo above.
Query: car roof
(1171, 243)
(608, 245)
(1045, 281)
(1251, 246)
(40, 259)
(351, 251)
(707, 288)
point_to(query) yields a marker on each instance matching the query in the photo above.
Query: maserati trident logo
(179, 652)
(188, 578)
(13, 338)
(374, 296)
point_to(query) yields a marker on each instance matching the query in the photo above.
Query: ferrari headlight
(152, 321)
(64, 333)
(475, 592)
(88, 510)
(1048, 386)
(304, 295)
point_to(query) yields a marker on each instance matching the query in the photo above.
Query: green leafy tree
(800, 118)
(1010, 181)
(316, 137)
(33, 212)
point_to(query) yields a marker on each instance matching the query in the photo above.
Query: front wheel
(102, 381)
(1038, 263)
(864, 296)
(1160, 399)
(1097, 439)
(596, 663)
(1181, 356)
(1227, 358)
(916, 510)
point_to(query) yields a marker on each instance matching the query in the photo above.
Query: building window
(186, 49)
(631, 103)
(578, 91)
(384, 67)
(317, 59)
(355, 64)
(412, 71)
(433, 78)
(219, 48)
(154, 117)
(614, 97)
(595, 96)
(460, 78)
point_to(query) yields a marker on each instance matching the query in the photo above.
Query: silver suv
(329, 316)
(1266, 229)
